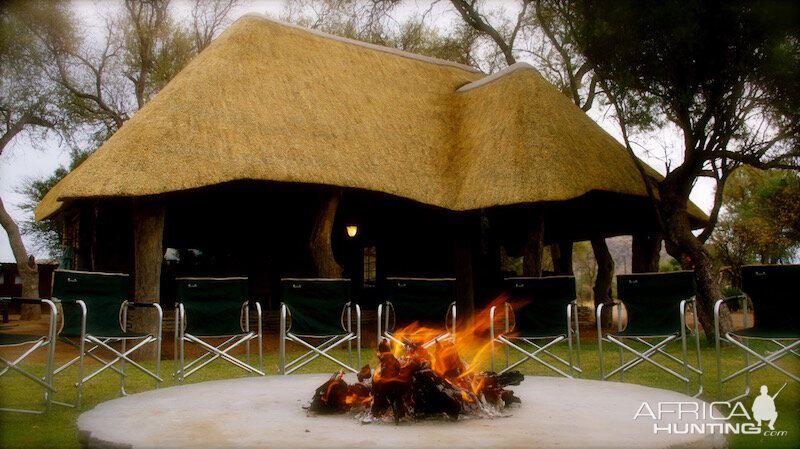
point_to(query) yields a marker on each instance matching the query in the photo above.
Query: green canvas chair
(318, 310)
(547, 314)
(95, 315)
(774, 293)
(656, 306)
(36, 342)
(428, 301)
(214, 308)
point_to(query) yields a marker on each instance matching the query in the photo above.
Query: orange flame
(423, 344)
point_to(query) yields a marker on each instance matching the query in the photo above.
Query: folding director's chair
(311, 307)
(428, 301)
(656, 307)
(95, 309)
(774, 293)
(548, 313)
(207, 308)
(36, 342)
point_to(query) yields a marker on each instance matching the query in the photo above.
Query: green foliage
(697, 63)
(28, 100)
(761, 220)
(669, 264)
(94, 87)
(585, 268)
(47, 234)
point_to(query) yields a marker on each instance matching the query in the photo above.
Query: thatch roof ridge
(371, 46)
(497, 75)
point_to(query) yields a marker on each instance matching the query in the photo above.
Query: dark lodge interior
(262, 230)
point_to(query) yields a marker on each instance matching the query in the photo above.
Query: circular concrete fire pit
(267, 412)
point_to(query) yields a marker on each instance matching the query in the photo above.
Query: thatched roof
(274, 102)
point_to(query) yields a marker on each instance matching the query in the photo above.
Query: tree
(26, 107)
(47, 234)
(764, 207)
(725, 74)
(99, 85)
(760, 221)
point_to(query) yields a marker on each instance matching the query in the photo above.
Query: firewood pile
(414, 382)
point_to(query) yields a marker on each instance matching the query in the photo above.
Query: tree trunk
(148, 234)
(605, 276)
(679, 231)
(26, 266)
(674, 251)
(320, 241)
(646, 249)
(534, 246)
(561, 253)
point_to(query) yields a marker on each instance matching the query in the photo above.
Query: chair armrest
(726, 300)
(730, 299)
(718, 305)
(18, 300)
(598, 312)
(142, 304)
(123, 313)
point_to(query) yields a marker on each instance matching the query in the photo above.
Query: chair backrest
(543, 302)
(316, 305)
(212, 306)
(103, 294)
(775, 292)
(421, 299)
(652, 300)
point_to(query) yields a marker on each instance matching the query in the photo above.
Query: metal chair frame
(743, 343)
(48, 341)
(652, 348)
(322, 349)
(121, 356)
(507, 340)
(219, 351)
(386, 310)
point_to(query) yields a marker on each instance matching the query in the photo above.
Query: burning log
(417, 384)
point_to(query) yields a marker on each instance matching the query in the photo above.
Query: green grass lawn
(58, 429)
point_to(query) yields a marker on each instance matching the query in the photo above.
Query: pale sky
(33, 157)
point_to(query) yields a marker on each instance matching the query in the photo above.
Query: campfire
(415, 380)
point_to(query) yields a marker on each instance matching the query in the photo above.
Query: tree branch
(476, 21)
(27, 119)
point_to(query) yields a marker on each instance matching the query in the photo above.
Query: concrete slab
(266, 412)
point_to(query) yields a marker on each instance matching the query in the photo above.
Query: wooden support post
(561, 253)
(534, 246)
(148, 251)
(605, 275)
(645, 249)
